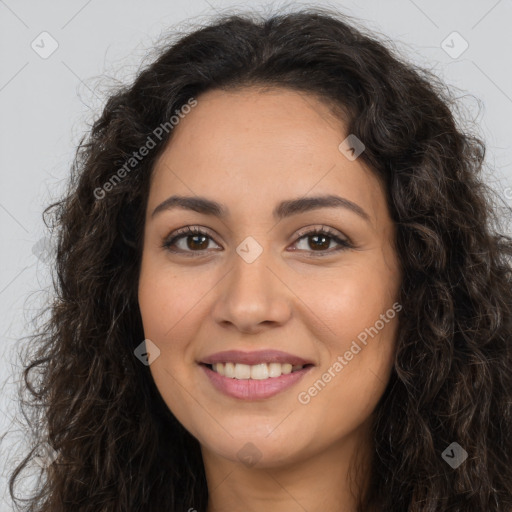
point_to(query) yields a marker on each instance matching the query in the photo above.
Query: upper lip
(253, 358)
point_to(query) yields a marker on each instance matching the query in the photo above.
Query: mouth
(254, 375)
(254, 382)
(262, 371)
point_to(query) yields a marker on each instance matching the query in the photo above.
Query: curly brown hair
(118, 447)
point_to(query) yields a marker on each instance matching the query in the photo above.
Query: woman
(280, 284)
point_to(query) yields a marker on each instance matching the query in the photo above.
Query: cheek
(356, 305)
(166, 304)
(350, 301)
(346, 389)
(167, 300)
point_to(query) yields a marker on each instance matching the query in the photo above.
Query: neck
(328, 480)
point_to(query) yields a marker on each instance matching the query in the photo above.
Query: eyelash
(194, 230)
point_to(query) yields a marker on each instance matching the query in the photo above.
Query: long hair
(115, 444)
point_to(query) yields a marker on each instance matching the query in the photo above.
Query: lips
(254, 358)
(240, 374)
(250, 389)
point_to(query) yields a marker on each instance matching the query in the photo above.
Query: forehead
(263, 146)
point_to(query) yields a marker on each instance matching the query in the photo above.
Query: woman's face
(257, 279)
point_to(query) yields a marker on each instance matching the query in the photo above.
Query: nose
(252, 297)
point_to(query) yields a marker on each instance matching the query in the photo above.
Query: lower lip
(251, 389)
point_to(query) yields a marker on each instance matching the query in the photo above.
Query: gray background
(48, 103)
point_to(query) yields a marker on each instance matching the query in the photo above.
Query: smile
(256, 372)
(245, 386)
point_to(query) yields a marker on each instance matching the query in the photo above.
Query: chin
(258, 450)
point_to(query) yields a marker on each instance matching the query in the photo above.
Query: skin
(250, 149)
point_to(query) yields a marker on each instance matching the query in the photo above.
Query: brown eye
(197, 240)
(319, 241)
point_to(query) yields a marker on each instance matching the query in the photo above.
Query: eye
(321, 238)
(196, 240)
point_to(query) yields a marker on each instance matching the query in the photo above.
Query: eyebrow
(282, 210)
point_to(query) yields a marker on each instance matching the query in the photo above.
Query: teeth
(274, 370)
(256, 372)
(259, 371)
(242, 371)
